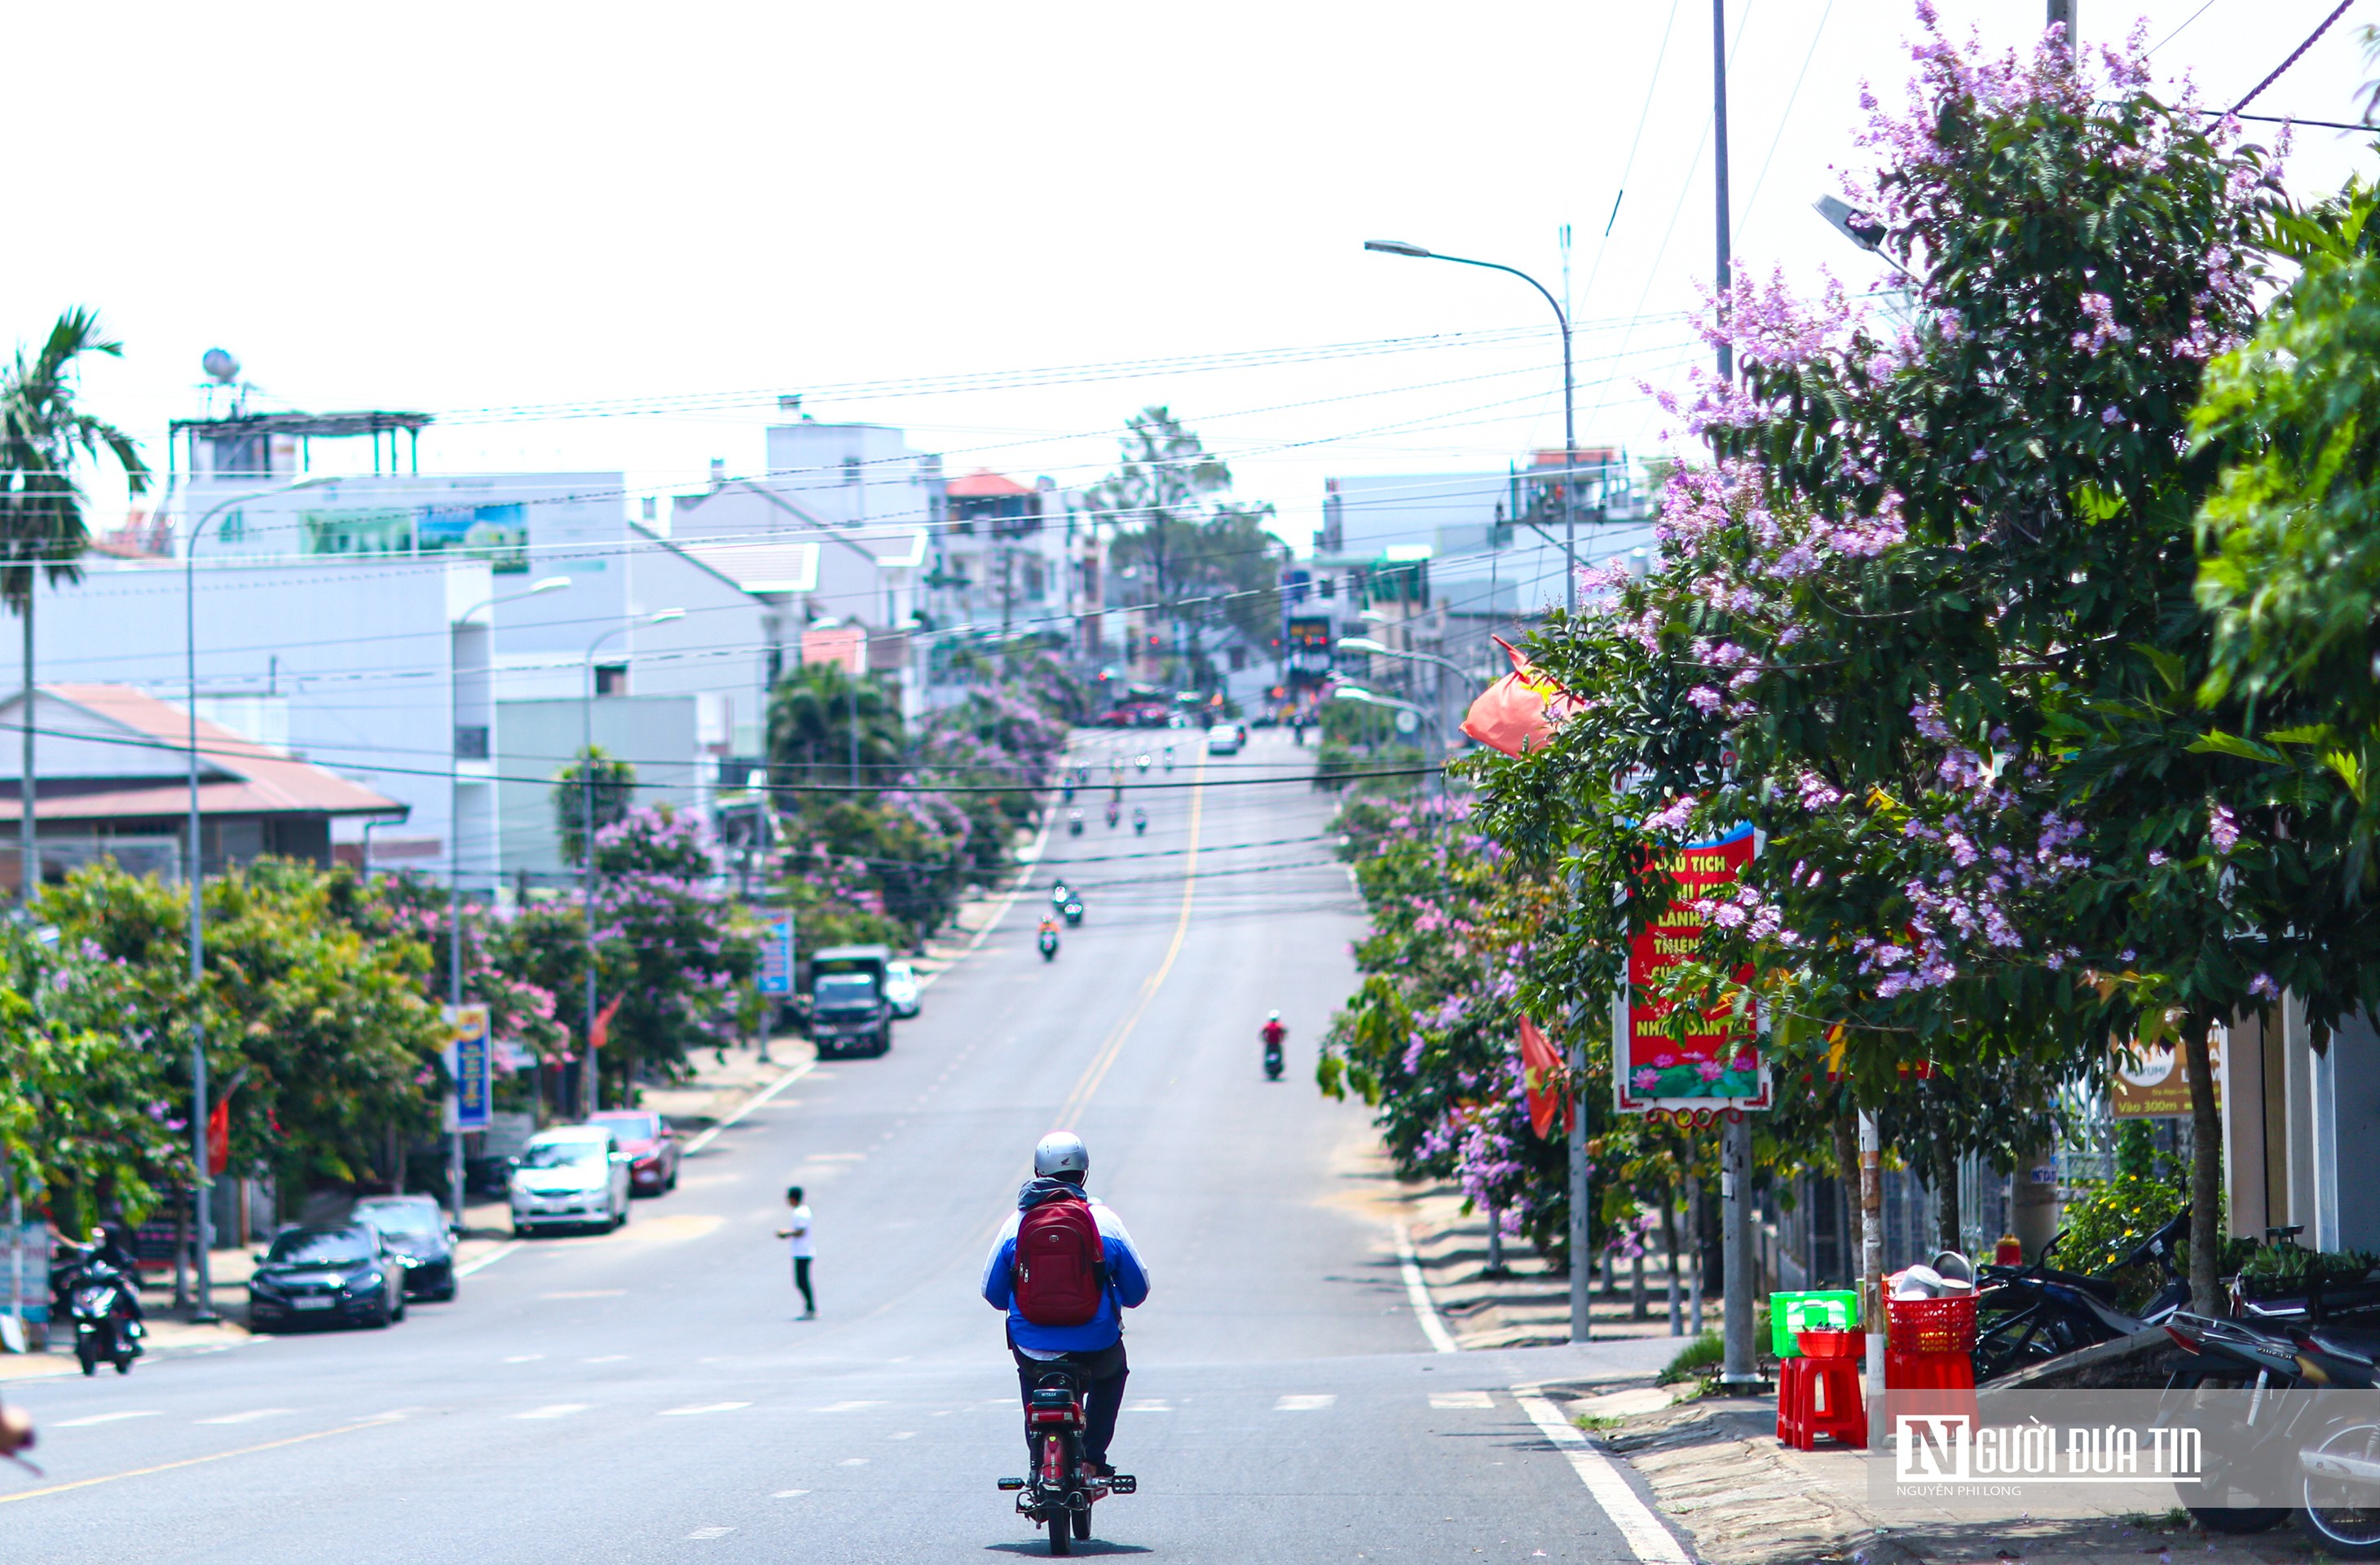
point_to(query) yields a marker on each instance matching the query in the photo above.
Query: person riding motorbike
(1168, 758)
(1139, 820)
(1048, 939)
(1115, 812)
(1093, 1350)
(1273, 1033)
(110, 1245)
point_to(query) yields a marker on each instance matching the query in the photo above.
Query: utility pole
(1735, 1131)
(2062, 12)
(1871, 1200)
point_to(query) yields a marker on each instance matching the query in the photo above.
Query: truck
(849, 1010)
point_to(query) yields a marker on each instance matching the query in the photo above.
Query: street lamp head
(1359, 644)
(551, 584)
(1396, 247)
(1849, 222)
(1351, 693)
(663, 616)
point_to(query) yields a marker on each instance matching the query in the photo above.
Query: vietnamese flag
(1542, 1074)
(219, 1135)
(601, 1032)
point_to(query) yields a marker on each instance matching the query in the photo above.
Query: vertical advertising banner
(777, 958)
(471, 1057)
(1714, 1062)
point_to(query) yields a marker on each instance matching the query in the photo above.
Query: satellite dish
(220, 366)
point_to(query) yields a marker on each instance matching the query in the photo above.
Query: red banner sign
(1716, 1064)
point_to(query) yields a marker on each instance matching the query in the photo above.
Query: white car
(901, 987)
(1225, 739)
(576, 1176)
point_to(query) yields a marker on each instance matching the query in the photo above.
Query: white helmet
(1059, 1152)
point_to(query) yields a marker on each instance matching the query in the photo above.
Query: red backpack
(1061, 1270)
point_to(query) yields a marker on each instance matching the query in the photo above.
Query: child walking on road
(800, 1236)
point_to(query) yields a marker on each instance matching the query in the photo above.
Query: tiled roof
(983, 484)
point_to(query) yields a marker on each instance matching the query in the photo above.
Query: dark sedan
(344, 1275)
(650, 1145)
(416, 1228)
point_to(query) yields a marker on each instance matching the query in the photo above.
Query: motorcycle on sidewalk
(1062, 1489)
(104, 1309)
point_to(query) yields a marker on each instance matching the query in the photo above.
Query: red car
(650, 1145)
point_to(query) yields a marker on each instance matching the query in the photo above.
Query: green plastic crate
(1834, 1309)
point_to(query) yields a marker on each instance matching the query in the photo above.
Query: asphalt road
(651, 1395)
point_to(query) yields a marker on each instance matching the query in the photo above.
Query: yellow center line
(196, 1461)
(1097, 1072)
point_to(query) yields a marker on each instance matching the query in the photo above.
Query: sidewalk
(1716, 1466)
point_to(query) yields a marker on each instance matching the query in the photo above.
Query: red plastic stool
(1820, 1396)
(1930, 1383)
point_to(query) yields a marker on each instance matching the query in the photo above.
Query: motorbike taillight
(2187, 1344)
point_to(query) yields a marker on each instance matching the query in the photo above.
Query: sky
(610, 238)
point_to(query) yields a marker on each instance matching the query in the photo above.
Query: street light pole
(586, 844)
(202, 1177)
(1570, 425)
(455, 853)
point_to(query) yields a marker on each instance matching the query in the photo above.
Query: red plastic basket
(1829, 1344)
(1931, 1326)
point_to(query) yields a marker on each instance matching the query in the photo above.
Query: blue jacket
(1127, 1281)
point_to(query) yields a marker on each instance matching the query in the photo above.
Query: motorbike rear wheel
(2350, 1530)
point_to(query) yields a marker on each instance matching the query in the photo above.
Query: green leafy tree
(613, 785)
(811, 715)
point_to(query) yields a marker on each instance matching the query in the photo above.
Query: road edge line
(766, 1092)
(481, 1263)
(1648, 1538)
(1417, 1295)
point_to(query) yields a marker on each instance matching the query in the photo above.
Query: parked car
(901, 987)
(575, 1176)
(346, 1275)
(650, 1145)
(1225, 739)
(416, 1228)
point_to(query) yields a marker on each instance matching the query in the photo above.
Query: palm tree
(42, 436)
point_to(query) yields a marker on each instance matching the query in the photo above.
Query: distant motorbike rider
(1273, 1032)
(1053, 1208)
(109, 1245)
(1139, 819)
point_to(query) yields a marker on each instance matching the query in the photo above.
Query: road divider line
(766, 1092)
(381, 1423)
(1097, 1072)
(491, 1258)
(1648, 1539)
(1417, 1295)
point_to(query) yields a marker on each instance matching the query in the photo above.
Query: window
(471, 741)
(851, 469)
(612, 679)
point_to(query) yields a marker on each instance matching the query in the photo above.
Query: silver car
(576, 1176)
(901, 989)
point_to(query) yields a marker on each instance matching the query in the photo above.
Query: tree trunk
(2206, 1223)
(1946, 1192)
(1847, 1169)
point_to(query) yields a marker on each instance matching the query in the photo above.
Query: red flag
(1518, 713)
(219, 1135)
(1542, 1074)
(601, 1032)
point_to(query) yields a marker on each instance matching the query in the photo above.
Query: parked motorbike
(2026, 1315)
(106, 1311)
(1049, 945)
(1062, 1489)
(1073, 910)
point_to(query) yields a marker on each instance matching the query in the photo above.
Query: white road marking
(572, 1293)
(1417, 1295)
(599, 1358)
(491, 1258)
(710, 1532)
(248, 1417)
(766, 1092)
(852, 1461)
(703, 1407)
(789, 1494)
(87, 1421)
(1304, 1403)
(904, 1435)
(516, 1358)
(559, 1410)
(1449, 1400)
(1648, 1539)
(846, 1407)
(1148, 1405)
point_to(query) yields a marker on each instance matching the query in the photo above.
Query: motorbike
(1272, 1059)
(1059, 893)
(1067, 790)
(102, 1303)
(1049, 945)
(1115, 812)
(2336, 1474)
(2026, 1315)
(1074, 822)
(1073, 910)
(1062, 1489)
(1139, 823)
(1168, 758)
(1143, 763)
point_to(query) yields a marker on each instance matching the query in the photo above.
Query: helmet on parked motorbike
(1059, 1152)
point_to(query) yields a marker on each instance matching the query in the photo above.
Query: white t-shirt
(801, 1231)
